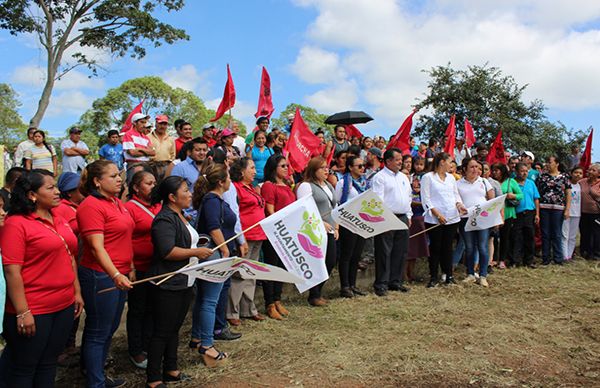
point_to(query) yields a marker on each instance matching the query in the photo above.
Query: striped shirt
(41, 157)
(132, 140)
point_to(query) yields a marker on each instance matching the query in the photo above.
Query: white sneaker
(470, 279)
(483, 281)
(443, 278)
(477, 275)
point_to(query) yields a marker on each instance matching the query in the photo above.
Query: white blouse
(473, 193)
(440, 195)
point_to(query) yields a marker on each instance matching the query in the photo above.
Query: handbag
(511, 202)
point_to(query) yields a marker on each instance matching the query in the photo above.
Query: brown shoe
(318, 302)
(273, 313)
(257, 318)
(282, 310)
(234, 322)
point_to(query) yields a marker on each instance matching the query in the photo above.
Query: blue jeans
(476, 244)
(459, 250)
(551, 224)
(205, 307)
(103, 315)
(220, 320)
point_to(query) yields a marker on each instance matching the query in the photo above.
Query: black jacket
(168, 231)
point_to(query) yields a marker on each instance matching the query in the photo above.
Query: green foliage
(491, 101)
(311, 117)
(12, 128)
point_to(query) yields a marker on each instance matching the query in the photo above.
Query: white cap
(139, 116)
(530, 154)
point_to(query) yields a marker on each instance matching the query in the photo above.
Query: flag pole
(433, 227)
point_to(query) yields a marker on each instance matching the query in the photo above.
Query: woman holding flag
(352, 184)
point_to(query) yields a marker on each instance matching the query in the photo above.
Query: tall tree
(491, 101)
(119, 27)
(12, 128)
(310, 116)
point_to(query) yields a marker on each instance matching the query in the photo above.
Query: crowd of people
(152, 204)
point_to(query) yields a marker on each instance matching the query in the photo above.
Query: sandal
(194, 344)
(211, 361)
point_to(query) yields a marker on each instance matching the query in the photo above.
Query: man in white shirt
(239, 141)
(24, 146)
(391, 248)
(74, 152)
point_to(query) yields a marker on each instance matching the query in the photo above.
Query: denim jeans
(220, 319)
(476, 244)
(103, 315)
(204, 314)
(551, 224)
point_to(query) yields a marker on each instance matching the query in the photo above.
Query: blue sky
(342, 54)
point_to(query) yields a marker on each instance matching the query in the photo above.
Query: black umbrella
(349, 117)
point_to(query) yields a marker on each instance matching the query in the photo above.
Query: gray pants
(241, 294)
(391, 249)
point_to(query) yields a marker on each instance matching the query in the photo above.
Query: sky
(336, 55)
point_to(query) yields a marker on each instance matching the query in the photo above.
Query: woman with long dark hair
(277, 192)
(43, 290)
(259, 153)
(41, 155)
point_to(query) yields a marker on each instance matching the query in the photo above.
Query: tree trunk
(44, 100)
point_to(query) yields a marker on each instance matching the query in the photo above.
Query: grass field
(531, 328)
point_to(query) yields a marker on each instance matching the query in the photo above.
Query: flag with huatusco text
(485, 215)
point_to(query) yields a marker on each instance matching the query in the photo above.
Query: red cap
(227, 132)
(162, 119)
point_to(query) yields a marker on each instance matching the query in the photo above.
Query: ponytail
(207, 181)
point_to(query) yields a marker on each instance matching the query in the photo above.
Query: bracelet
(22, 315)
(115, 275)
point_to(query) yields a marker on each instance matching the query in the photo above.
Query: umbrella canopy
(349, 117)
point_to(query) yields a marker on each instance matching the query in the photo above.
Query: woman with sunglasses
(277, 192)
(352, 184)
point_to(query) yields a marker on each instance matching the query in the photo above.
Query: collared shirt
(188, 170)
(473, 193)
(143, 249)
(68, 210)
(179, 142)
(163, 146)
(20, 152)
(440, 195)
(75, 163)
(133, 140)
(394, 190)
(240, 143)
(530, 194)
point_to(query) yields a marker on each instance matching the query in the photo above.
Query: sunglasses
(360, 166)
(283, 165)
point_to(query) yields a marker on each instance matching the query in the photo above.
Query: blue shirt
(260, 159)
(533, 174)
(188, 170)
(216, 214)
(530, 194)
(114, 153)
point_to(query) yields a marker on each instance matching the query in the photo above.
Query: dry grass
(533, 328)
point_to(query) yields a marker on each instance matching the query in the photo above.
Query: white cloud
(35, 76)
(73, 102)
(377, 49)
(187, 77)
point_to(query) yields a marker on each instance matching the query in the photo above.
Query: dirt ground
(530, 328)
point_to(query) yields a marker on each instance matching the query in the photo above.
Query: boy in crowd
(113, 150)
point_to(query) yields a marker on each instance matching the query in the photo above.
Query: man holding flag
(391, 247)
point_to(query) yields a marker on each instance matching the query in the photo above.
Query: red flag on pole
(265, 103)
(469, 134)
(352, 131)
(586, 158)
(401, 139)
(302, 144)
(128, 125)
(330, 156)
(228, 100)
(450, 137)
(496, 154)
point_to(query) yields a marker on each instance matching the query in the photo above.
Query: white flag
(299, 237)
(217, 271)
(486, 215)
(367, 216)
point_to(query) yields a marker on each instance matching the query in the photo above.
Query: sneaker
(113, 382)
(483, 282)
(432, 283)
(450, 280)
(443, 278)
(470, 279)
(346, 292)
(380, 292)
(139, 364)
(227, 335)
(477, 275)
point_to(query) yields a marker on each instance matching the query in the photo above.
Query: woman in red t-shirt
(252, 210)
(43, 291)
(277, 193)
(106, 228)
(138, 313)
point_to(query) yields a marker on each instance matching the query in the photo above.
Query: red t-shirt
(277, 195)
(142, 239)
(47, 267)
(179, 142)
(252, 210)
(68, 211)
(110, 218)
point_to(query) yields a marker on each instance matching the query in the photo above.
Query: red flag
(450, 137)
(496, 154)
(586, 158)
(128, 125)
(401, 139)
(330, 156)
(352, 131)
(302, 144)
(228, 100)
(265, 104)
(469, 134)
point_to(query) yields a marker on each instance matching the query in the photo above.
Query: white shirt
(441, 196)
(394, 190)
(230, 196)
(20, 151)
(240, 143)
(76, 163)
(340, 187)
(575, 209)
(473, 193)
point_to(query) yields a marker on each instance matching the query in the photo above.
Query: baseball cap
(376, 151)
(75, 130)
(162, 119)
(528, 153)
(68, 181)
(207, 126)
(139, 116)
(227, 132)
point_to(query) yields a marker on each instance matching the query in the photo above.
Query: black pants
(31, 362)
(169, 309)
(391, 249)
(505, 240)
(523, 236)
(440, 248)
(315, 292)
(271, 290)
(351, 248)
(590, 236)
(139, 317)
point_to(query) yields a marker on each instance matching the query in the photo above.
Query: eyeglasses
(283, 165)
(360, 166)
